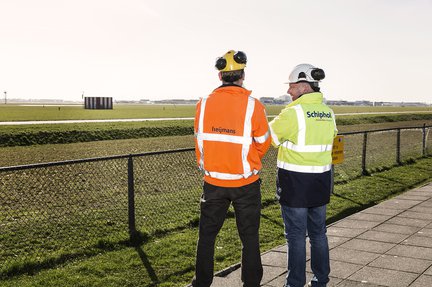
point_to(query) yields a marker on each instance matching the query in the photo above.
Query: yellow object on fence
(338, 150)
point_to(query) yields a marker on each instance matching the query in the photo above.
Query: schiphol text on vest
(319, 114)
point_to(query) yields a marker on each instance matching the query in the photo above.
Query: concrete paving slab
(418, 192)
(427, 189)
(280, 281)
(416, 215)
(383, 211)
(383, 236)
(422, 209)
(360, 224)
(395, 228)
(384, 277)
(413, 196)
(368, 245)
(369, 217)
(282, 248)
(335, 241)
(399, 203)
(345, 231)
(274, 258)
(271, 272)
(401, 263)
(418, 240)
(429, 271)
(425, 232)
(277, 282)
(422, 281)
(233, 279)
(427, 203)
(408, 221)
(351, 283)
(339, 269)
(411, 251)
(352, 256)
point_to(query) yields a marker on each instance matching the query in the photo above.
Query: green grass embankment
(72, 133)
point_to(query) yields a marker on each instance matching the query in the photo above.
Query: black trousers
(215, 202)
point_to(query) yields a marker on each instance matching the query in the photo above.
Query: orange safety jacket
(231, 136)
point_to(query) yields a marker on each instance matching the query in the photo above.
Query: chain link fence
(50, 213)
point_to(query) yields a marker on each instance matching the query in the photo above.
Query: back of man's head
(232, 76)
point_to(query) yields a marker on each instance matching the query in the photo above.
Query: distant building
(98, 103)
(282, 100)
(175, 102)
(267, 100)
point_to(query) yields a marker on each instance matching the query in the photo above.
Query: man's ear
(220, 76)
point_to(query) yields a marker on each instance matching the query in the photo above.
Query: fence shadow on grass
(275, 222)
(151, 272)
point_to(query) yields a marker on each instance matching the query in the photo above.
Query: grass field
(39, 113)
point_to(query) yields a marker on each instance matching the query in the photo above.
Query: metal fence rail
(54, 211)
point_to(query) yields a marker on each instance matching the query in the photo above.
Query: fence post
(131, 200)
(364, 172)
(398, 143)
(424, 139)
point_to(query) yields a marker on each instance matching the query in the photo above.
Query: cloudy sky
(377, 50)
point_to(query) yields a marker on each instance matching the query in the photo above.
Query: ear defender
(240, 57)
(221, 63)
(318, 74)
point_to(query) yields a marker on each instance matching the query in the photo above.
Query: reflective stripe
(274, 136)
(301, 121)
(247, 133)
(303, 168)
(307, 148)
(229, 176)
(200, 127)
(263, 138)
(224, 138)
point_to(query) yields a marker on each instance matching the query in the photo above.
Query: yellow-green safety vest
(304, 133)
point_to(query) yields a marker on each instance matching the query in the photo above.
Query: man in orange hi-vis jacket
(231, 138)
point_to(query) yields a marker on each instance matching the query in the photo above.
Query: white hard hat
(306, 73)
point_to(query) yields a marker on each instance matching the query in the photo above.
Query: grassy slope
(19, 155)
(169, 260)
(25, 135)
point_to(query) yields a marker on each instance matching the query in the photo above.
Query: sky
(375, 50)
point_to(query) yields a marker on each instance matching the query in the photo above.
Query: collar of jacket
(311, 98)
(232, 89)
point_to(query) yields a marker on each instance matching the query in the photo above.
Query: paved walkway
(389, 244)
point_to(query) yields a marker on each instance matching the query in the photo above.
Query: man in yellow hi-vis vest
(304, 133)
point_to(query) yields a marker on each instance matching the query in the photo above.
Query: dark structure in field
(98, 103)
